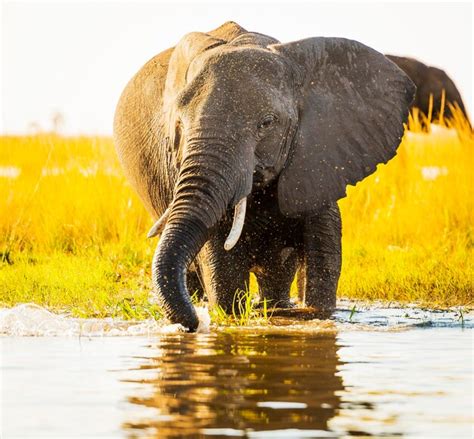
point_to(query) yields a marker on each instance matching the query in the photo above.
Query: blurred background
(64, 64)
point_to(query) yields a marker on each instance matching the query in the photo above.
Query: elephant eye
(267, 122)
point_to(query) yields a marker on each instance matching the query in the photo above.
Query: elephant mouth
(262, 176)
(234, 233)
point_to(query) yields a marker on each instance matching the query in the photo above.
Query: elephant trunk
(179, 244)
(207, 186)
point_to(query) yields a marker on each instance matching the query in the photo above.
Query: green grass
(246, 310)
(109, 282)
(433, 277)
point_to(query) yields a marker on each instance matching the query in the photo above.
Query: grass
(244, 310)
(72, 232)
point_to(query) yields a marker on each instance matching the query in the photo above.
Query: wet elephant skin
(235, 119)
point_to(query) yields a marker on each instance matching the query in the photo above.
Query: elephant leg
(224, 273)
(275, 273)
(322, 258)
(193, 282)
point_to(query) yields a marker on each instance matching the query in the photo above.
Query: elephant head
(240, 110)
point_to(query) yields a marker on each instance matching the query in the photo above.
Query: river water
(382, 372)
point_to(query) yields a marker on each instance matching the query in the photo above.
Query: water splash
(204, 319)
(33, 320)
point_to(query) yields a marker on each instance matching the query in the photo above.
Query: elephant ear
(353, 103)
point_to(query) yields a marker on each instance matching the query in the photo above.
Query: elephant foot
(325, 308)
(272, 305)
(306, 313)
(295, 313)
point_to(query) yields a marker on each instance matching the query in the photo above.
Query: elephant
(430, 81)
(233, 130)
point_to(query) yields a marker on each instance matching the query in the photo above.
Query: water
(378, 372)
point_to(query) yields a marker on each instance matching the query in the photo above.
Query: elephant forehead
(238, 62)
(243, 99)
(245, 81)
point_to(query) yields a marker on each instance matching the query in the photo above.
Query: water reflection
(231, 383)
(415, 382)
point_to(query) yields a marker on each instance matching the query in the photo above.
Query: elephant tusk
(159, 225)
(237, 224)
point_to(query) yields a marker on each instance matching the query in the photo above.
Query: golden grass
(408, 228)
(72, 232)
(70, 194)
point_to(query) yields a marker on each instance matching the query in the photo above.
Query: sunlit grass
(70, 195)
(73, 233)
(246, 310)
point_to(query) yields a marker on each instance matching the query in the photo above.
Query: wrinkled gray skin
(430, 81)
(230, 114)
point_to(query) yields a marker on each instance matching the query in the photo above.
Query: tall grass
(70, 194)
(72, 232)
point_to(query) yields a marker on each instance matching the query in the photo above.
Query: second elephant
(430, 81)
